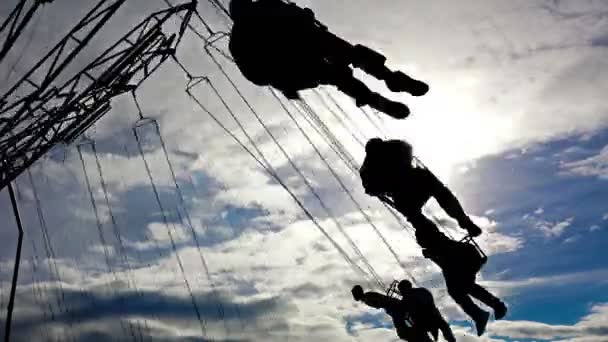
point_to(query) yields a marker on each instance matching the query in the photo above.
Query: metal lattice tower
(49, 115)
(16, 22)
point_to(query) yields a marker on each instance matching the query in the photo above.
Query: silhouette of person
(282, 45)
(423, 311)
(388, 172)
(396, 310)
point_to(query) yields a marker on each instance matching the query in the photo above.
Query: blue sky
(516, 123)
(536, 186)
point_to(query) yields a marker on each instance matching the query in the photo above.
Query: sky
(516, 124)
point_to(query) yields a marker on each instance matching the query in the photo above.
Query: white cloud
(499, 88)
(593, 327)
(559, 280)
(103, 249)
(595, 166)
(594, 228)
(548, 228)
(164, 234)
(572, 239)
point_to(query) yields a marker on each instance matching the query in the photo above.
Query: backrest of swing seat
(469, 240)
(475, 253)
(392, 290)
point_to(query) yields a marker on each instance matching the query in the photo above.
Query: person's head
(357, 292)
(373, 145)
(404, 150)
(404, 286)
(238, 8)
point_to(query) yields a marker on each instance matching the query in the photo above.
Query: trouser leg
(414, 335)
(479, 292)
(446, 331)
(339, 51)
(371, 62)
(460, 294)
(421, 336)
(342, 77)
(359, 56)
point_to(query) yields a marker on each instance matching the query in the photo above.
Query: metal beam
(60, 114)
(44, 73)
(11, 302)
(15, 23)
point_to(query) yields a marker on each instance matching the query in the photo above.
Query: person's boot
(393, 109)
(500, 311)
(481, 321)
(397, 81)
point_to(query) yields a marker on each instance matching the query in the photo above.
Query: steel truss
(15, 23)
(52, 115)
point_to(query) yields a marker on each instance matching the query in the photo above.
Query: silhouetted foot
(391, 108)
(500, 311)
(399, 82)
(481, 322)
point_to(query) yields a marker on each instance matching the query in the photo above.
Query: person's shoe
(400, 82)
(393, 109)
(481, 322)
(500, 311)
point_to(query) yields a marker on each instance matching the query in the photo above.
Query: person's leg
(343, 78)
(459, 293)
(422, 336)
(373, 63)
(413, 334)
(446, 331)
(461, 298)
(479, 292)
(370, 61)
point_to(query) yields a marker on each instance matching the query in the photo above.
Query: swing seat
(471, 252)
(392, 291)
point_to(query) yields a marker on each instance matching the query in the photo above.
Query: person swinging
(388, 172)
(406, 329)
(279, 44)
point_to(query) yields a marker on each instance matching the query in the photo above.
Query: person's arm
(375, 300)
(451, 205)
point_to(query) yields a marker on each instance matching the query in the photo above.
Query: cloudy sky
(516, 124)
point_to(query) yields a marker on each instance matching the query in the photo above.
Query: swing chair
(392, 291)
(468, 248)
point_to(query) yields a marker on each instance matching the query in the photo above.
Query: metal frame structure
(15, 23)
(11, 303)
(52, 115)
(45, 72)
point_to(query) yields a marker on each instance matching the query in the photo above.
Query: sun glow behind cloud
(489, 94)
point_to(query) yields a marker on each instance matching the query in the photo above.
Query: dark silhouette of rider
(396, 309)
(282, 45)
(388, 172)
(423, 311)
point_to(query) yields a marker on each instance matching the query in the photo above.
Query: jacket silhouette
(423, 311)
(282, 45)
(388, 172)
(396, 309)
